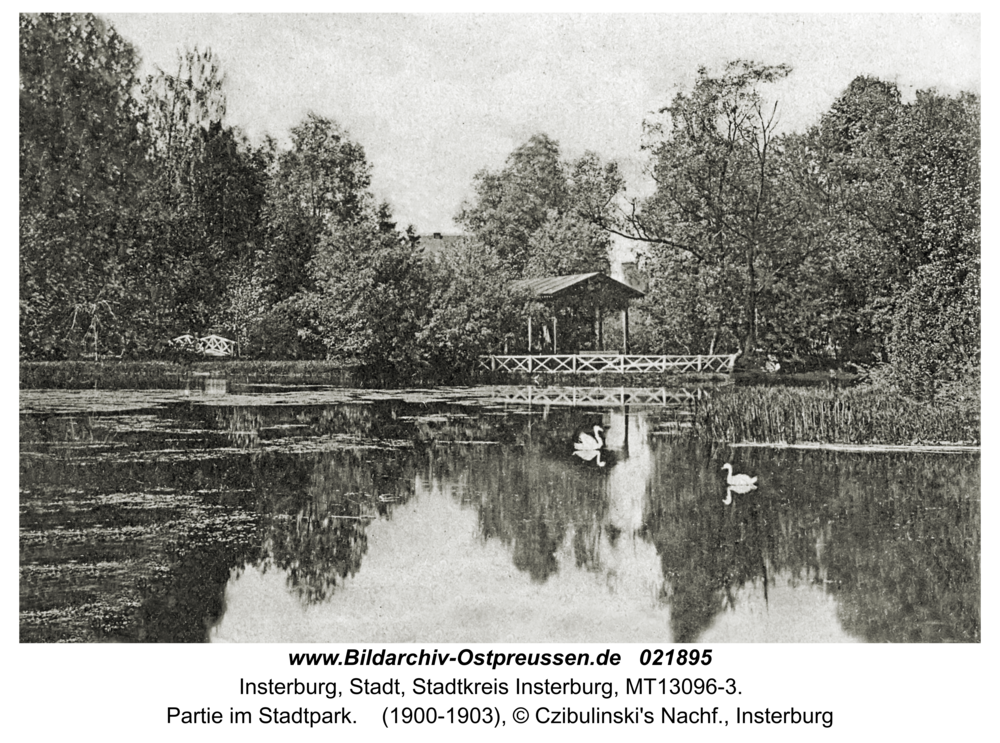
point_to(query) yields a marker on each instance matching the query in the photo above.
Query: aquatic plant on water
(852, 416)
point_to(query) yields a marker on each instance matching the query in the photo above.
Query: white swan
(587, 442)
(588, 455)
(738, 481)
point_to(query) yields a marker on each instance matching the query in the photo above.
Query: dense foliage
(857, 241)
(145, 215)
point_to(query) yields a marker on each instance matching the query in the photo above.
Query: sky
(434, 98)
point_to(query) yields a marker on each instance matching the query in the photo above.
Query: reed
(863, 415)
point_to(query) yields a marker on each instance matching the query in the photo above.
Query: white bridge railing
(210, 345)
(586, 363)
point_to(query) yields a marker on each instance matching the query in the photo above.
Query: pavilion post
(625, 330)
(555, 348)
(529, 335)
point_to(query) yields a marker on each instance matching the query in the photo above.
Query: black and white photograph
(499, 328)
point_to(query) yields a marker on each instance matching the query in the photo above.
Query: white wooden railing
(586, 363)
(210, 345)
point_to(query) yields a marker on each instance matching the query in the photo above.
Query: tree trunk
(750, 340)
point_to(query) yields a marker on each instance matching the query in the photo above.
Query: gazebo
(597, 290)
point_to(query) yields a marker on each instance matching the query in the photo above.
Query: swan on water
(738, 481)
(587, 442)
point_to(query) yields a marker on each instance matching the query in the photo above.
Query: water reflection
(324, 541)
(738, 490)
(591, 455)
(202, 383)
(412, 521)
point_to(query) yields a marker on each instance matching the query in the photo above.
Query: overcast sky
(434, 98)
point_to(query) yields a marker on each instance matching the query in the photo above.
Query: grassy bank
(861, 415)
(115, 374)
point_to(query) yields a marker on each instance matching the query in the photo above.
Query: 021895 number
(674, 657)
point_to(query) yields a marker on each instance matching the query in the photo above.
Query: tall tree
(78, 123)
(201, 206)
(471, 311)
(726, 197)
(535, 213)
(321, 182)
(513, 203)
(81, 163)
(912, 175)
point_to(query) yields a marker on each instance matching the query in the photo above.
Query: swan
(588, 455)
(587, 442)
(738, 481)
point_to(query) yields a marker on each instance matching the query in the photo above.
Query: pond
(242, 513)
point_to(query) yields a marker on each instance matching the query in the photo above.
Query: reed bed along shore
(860, 415)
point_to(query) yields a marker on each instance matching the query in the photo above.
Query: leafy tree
(727, 197)
(179, 107)
(78, 126)
(201, 222)
(81, 162)
(321, 182)
(945, 291)
(369, 296)
(136, 202)
(910, 234)
(685, 305)
(564, 245)
(512, 204)
(536, 213)
(471, 311)
(537, 216)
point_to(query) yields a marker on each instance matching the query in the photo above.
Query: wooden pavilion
(597, 290)
(600, 294)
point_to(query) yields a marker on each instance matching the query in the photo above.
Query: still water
(267, 514)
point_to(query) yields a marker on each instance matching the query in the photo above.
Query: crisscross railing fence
(587, 363)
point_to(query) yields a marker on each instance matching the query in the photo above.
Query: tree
(726, 197)
(686, 309)
(369, 296)
(471, 311)
(78, 125)
(512, 204)
(201, 208)
(81, 163)
(536, 213)
(564, 245)
(910, 229)
(321, 182)
(137, 203)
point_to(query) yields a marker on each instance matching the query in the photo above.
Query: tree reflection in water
(892, 539)
(325, 539)
(901, 560)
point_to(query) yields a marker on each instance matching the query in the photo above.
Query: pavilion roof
(580, 284)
